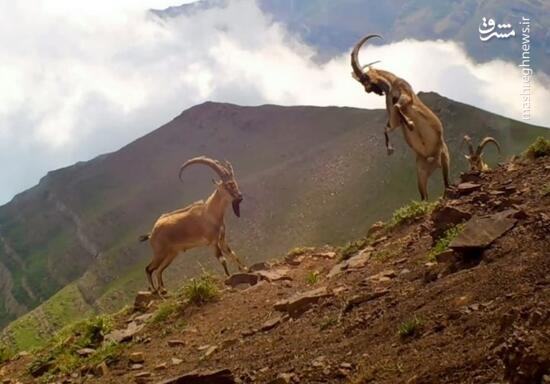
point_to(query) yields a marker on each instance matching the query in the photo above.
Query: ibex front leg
(389, 147)
(222, 243)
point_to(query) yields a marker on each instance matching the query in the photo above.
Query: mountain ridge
(334, 152)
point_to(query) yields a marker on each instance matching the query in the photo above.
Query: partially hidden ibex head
(366, 75)
(227, 185)
(475, 157)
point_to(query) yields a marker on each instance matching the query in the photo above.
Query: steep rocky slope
(456, 291)
(310, 175)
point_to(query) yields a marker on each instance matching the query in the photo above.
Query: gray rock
(221, 376)
(143, 300)
(274, 275)
(124, 335)
(242, 278)
(85, 351)
(299, 303)
(175, 343)
(261, 266)
(480, 232)
(467, 188)
(359, 260)
(136, 358)
(272, 323)
(363, 298)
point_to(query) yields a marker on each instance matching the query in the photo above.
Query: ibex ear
(467, 157)
(215, 182)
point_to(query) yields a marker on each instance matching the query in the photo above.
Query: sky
(81, 78)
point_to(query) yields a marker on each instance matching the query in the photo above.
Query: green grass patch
(164, 311)
(60, 354)
(297, 251)
(540, 148)
(201, 290)
(6, 352)
(328, 323)
(410, 212)
(443, 242)
(410, 328)
(382, 255)
(312, 278)
(352, 247)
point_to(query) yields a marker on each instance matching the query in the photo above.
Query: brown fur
(199, 224)
(421, 128)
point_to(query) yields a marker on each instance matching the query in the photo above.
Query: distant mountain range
(334, 26)
(68, 246)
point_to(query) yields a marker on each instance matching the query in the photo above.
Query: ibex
(199, 224)
(475, 158)
(422, 129)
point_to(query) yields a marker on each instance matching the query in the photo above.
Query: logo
(487, 30)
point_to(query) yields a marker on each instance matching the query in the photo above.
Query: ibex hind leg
(151, 267)
(424, 168)
(445, 167)
(168, 258)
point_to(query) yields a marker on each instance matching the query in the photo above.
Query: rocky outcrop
(480, 232)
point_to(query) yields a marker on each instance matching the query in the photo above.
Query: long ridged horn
(357, 68)
(215, 165)
(484, 142)
(468, 142)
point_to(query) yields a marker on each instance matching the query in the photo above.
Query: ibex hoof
(390, 151)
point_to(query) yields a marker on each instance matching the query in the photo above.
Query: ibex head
(475, 158)
(227, 186)
(361, 73)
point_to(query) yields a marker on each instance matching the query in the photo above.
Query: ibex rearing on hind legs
(198, 224)
(422, 129)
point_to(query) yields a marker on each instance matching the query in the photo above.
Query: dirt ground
(482, 317)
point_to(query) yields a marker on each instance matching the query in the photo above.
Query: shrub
(164, 311)
(60, 354)
(312, 278)
(410, 327)
(352, 247)
(443, 242)
(411, 212)
(539, 148)
(328, 322)
(200, 290)
(297, 251)
(6, 353)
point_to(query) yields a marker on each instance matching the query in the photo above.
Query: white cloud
(80, 78)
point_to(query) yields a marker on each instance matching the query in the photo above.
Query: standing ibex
(475, 158)
(198, 224)
(422, 129)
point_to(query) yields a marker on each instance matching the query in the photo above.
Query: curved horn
(228, 167)
(357, 69)
(484, 142)
(468, 142)
(215, 165)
